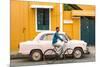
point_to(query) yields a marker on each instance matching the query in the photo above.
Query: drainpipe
(61, 17)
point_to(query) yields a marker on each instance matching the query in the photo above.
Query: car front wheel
(78, 53)
(36, 55)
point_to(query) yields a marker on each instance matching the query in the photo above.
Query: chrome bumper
(86, 51)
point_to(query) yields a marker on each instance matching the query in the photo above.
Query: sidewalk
(15, 55)
(92, 49)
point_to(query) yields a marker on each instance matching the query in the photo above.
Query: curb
(18, 56)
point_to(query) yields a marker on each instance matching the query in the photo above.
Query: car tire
(36, 55)
(78, 53)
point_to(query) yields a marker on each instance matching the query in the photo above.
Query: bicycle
(51, 55)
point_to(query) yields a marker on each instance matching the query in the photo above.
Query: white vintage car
(43, 41)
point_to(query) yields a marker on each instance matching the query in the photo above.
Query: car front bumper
(87, 51)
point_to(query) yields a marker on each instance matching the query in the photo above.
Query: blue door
(88, 30)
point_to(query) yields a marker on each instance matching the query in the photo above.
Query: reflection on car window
(47, 37)
(41, 38)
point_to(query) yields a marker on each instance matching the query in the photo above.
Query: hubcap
(36, 56)
(77, 53)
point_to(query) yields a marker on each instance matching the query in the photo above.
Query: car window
(46, 37)
(50, 37)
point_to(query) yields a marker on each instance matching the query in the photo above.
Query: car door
(46, 41)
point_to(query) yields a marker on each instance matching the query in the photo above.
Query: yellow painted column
(76, 28)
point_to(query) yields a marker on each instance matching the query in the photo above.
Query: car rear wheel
(78, 53)
(36, 55)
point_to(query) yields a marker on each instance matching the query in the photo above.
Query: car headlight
(85, 43)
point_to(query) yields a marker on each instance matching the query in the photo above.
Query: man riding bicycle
(56, 37)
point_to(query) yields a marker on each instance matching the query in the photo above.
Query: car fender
(71, 46)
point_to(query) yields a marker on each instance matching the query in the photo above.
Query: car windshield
(69, 37)
(63, 37)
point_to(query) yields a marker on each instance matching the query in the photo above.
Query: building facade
(28, 18)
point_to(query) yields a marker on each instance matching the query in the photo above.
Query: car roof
(46, 32)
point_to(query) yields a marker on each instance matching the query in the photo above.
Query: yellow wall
(76, 28)
(71, 29)
(19, 18)
(23, 26)
(68, 28)
(87, 7)
(83, 13)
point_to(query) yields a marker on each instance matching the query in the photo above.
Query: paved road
(27, 62)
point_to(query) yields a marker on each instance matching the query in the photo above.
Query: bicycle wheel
(50, 56)
(67, 52)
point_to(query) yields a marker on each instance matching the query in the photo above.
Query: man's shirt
(56, 37)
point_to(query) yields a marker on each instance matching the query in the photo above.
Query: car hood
(77, 41)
